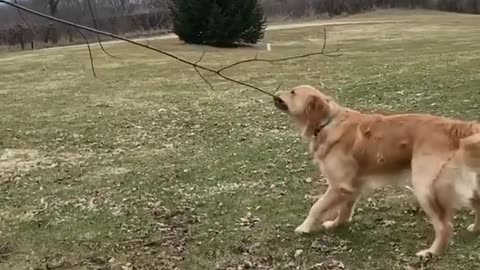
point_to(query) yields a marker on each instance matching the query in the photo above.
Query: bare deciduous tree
(51, 33)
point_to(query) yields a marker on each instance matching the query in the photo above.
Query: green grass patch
(145, 167)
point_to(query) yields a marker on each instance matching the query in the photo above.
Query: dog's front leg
(333, 198)
(344, 215)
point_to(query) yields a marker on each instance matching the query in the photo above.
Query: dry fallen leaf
(298, 253)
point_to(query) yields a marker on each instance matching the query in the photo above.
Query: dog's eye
(292, 92)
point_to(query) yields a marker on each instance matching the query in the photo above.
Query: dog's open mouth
(280, 104)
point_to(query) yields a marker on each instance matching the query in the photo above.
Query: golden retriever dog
(440, 157)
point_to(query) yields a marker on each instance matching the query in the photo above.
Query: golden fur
(356, 151)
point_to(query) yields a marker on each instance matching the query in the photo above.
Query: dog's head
(309, 108)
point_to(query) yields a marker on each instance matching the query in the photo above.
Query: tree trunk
(47, 35)
(51, 31)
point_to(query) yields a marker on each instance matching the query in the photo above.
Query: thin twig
(203, 78)
(200, 74)
(324, 39)
(201, 57)
(94, 19)
(278, 87)
(89, 51)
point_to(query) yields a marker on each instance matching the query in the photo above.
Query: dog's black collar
(322, 126)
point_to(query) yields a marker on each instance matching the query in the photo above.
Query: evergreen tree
(221, 23)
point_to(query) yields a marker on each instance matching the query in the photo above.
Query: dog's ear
(316, 110)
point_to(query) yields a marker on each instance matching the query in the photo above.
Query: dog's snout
(279, 103)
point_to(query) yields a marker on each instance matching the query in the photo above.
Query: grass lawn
(147, 168)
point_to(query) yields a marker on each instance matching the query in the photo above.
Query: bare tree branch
(94, 19)
(196, 65)
(256, 59)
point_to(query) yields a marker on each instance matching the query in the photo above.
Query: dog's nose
(279, 103)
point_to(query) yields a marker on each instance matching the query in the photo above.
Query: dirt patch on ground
(164, 247)
(14, 162)
(19, 160)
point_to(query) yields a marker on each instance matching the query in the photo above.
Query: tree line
(127, 17)
(135, 17)
(299, 8)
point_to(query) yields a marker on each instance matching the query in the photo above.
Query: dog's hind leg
(475, 227)
(470, 150)
(440, 219)
(432, 194)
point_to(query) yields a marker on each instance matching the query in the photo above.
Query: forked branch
(196, 65)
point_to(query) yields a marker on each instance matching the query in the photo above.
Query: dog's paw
(329, 225)
(426, 253)
(303, 229)
(473, 228)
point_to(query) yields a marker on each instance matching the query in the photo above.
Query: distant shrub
(222, 23)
